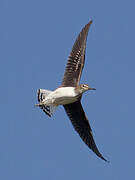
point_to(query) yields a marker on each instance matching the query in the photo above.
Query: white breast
(65, 91)
(61, 96)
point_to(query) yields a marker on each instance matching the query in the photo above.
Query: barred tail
(41, 95)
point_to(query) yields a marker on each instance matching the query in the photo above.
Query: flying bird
(70, 92)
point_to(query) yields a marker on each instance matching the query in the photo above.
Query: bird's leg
(40, 104)
(37, 105)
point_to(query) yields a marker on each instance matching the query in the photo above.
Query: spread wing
(82, 126)
(76, 60)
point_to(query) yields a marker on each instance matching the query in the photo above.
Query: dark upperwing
(81, 124)
(76, 60)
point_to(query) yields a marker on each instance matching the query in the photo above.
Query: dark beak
(92, 89)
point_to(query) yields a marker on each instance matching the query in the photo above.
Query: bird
(70, 92)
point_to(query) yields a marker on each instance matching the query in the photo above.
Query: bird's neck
(78, 90)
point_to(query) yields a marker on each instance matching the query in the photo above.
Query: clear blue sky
(35, 40)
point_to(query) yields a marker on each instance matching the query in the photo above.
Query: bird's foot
(40, 104)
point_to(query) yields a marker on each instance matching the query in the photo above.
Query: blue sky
(35, 40)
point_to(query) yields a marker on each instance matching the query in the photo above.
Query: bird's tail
(41, 96)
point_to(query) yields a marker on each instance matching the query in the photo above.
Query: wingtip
(100, 155)
(90, 22)
(106, 160)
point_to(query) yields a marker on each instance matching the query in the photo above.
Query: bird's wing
(82, 126)
(76, 60)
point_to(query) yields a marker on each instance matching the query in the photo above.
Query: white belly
(62, 96)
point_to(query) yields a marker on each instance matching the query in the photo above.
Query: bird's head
(85, 87)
